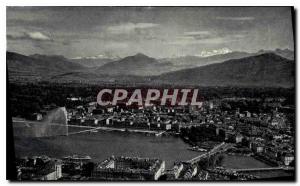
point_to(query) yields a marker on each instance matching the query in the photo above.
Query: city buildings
(39, 168)
(128, 168)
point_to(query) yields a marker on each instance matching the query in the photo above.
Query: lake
(103, 144)
(242, 162)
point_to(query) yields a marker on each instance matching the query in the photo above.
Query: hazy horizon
(120, 57)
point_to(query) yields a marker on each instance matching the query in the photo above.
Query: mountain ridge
(138, 64)
(266, 69)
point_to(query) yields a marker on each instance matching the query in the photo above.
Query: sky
(158, 32)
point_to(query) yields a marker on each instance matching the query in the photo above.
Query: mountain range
(196, 61)
(90, 62)
(138, 65)
(38, 66)
(265, 68)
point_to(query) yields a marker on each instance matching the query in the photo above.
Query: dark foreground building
(128, 168)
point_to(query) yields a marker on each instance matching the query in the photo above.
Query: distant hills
(286, 53)
(196, 61)
(94, 61)
(182, 62)
(38, 66)
(138, 65)
(87, 62)
(265, 68)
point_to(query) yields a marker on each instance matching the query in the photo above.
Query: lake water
(242, 162)
(103, 144)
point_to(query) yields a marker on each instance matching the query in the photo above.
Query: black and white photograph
(151, 93)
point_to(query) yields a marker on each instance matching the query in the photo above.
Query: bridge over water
(260, 169)
(217, 149)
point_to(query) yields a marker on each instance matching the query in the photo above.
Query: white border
(115, 3)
